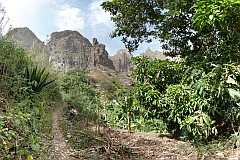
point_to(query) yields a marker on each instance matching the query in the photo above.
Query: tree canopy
(197, 30)
(198, 96)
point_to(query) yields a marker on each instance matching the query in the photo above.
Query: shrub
(24, 118)
(80, 94)
(205, 104)
(36, 79)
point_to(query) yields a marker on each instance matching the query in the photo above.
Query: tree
(171, 22)
(203, 100)
(222, 18)
(3, 20)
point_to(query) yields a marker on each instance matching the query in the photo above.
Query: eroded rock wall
(68, 50)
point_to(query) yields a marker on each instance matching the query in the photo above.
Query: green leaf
(29, 157)
(230, 80)
(234, 94)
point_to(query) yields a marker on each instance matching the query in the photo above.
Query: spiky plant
(37, 79)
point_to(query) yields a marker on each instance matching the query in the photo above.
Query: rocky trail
(61, 150)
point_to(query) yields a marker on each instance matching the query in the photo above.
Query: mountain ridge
(69, 50)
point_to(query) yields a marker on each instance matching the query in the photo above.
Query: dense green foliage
(80, 95)
(171, 22)
(197, 97)
(24, 117)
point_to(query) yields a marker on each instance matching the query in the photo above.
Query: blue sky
(86, 16)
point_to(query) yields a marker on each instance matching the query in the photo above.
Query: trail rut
(61, 150)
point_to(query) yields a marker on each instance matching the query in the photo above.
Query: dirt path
(61, 149)
(140, 144)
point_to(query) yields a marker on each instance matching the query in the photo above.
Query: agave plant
(37, 79)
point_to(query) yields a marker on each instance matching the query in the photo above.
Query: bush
(12, 62)
(24, 118)
(80, 94)
(204, 105)
(200, 103)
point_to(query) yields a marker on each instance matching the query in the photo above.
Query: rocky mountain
(29, 41)
(122, 61)
(156, 55)
(100, 55)
(70, 51)
(65, 51)
(24, 36)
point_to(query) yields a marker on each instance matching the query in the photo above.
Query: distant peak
(66, 33)
(22, 30)
(148, 50)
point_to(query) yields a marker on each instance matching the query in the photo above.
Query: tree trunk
(129, 121)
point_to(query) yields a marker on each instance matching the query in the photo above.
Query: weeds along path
(61, 150)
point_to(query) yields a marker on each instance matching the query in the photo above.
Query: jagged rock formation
(68, 50)
(65, 51)
(156, 55)
(29, 41)
(122, 61)
(100, 55)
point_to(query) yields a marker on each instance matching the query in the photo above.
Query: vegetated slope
(25, 125)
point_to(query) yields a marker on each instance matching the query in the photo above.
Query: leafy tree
(171, 22)
(152, 80)
(221, 15)
(201, 97)
(222, 19)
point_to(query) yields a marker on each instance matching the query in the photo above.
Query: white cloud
(70, 18)
(46, 16)
(98, 15)
(23, 11)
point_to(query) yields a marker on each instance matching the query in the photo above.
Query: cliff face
(65, 51)
(68, 50)
(24, 36)
(99, 55)
(122, 61)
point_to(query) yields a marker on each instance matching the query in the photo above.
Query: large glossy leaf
(230, 80)
(234, 93)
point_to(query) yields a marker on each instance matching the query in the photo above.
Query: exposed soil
(143, 145)
(60, 149)
(137, 145)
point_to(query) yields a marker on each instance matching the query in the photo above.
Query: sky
(85, 16)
